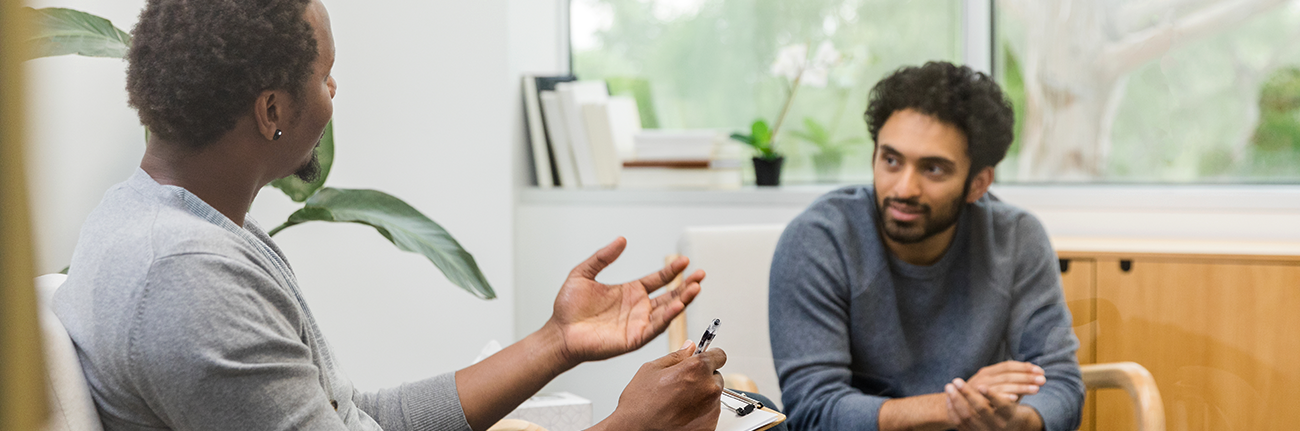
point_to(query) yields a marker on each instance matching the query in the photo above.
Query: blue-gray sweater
(853, 326)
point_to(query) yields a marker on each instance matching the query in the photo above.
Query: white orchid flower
(791, 61)
(826, 55)
(814, 77)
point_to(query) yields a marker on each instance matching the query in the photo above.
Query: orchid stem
(786, 109)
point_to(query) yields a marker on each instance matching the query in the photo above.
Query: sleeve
(216, 346)
(1041, 332)
(430, 404)
(808, 315)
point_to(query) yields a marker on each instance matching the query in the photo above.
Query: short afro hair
(196, 65)
(955, 95)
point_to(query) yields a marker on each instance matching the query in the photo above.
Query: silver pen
(708, 336)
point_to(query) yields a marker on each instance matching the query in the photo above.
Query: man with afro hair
(921, 302)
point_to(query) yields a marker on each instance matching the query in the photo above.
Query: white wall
(423, 112)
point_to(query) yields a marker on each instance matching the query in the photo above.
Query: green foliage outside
(709, 68)
(1187, 117)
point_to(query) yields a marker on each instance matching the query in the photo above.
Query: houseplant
(796, 67)
(830, 151)
(65, 31)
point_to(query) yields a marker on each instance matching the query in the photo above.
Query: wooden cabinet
(1220, 334)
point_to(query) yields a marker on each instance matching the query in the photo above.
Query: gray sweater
(853, 326)
(183, 320)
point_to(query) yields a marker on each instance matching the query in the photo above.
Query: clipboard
(753, 419)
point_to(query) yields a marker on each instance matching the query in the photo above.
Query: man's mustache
(910, 204)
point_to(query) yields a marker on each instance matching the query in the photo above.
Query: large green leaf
(300, 190)
(406, 227)
(60, 31)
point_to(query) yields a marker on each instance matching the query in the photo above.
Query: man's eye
(935, 170)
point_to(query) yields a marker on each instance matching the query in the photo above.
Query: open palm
(599, 321)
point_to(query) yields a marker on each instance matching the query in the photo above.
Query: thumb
(676, 356)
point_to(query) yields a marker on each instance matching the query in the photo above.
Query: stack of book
(578, 133)
(581, 136)
(696, 159)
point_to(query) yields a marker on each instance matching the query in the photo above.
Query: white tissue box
(561, 411)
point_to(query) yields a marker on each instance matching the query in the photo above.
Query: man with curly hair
(186, 315)
(921, 302)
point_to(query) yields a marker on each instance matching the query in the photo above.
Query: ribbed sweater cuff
(434, 405)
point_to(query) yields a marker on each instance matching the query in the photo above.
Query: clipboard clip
(749, 404)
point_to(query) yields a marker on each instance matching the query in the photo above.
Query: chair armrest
(1141, 388)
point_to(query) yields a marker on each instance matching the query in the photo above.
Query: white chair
(71, 407)
(737, 259)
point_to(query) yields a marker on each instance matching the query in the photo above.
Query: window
(1151, 91)
(708, 64)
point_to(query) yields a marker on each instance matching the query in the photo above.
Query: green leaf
(761, 133)
(60, 31)
(300, 190)
(818, 132)
(746, 139)
(403, 225)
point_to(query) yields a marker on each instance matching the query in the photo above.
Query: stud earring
(278, 133)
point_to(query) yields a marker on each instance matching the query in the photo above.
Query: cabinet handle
(1126, 265)
(1065, 265)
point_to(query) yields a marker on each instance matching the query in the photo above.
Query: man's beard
(309, 171)
(912, 232)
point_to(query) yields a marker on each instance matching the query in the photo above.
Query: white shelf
(799, 196)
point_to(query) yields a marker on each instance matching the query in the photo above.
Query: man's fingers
(1016, 367)
(1015, 389)
(601, 259)
(664, 276)
(1019, 378)
(958, 402)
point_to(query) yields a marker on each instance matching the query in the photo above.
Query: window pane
(708, 63)
(1152, 91)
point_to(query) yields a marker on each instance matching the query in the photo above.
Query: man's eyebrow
(939, 161)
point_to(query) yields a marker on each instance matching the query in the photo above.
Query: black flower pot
(767, 172)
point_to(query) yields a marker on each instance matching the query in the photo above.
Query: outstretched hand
(599, 321)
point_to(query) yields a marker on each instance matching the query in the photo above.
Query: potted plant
(65, 31)
(793, 64)
(830, 152)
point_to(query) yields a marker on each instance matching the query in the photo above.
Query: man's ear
(980, 185)
(269, 113)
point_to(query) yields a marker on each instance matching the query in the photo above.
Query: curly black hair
(956, 95)
(196, 65)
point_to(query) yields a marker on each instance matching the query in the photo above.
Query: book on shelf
(681, 174)
(573, 95)
(558, 135)
(676, 144)
(543, 149)
(610, 128)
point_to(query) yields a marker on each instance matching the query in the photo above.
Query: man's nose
(908, 184)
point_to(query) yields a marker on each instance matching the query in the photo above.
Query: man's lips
(903, 213)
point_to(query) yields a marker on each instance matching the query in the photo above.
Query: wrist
(550, 342)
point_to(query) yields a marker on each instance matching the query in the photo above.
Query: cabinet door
(1219, 337)
(1078, 279)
